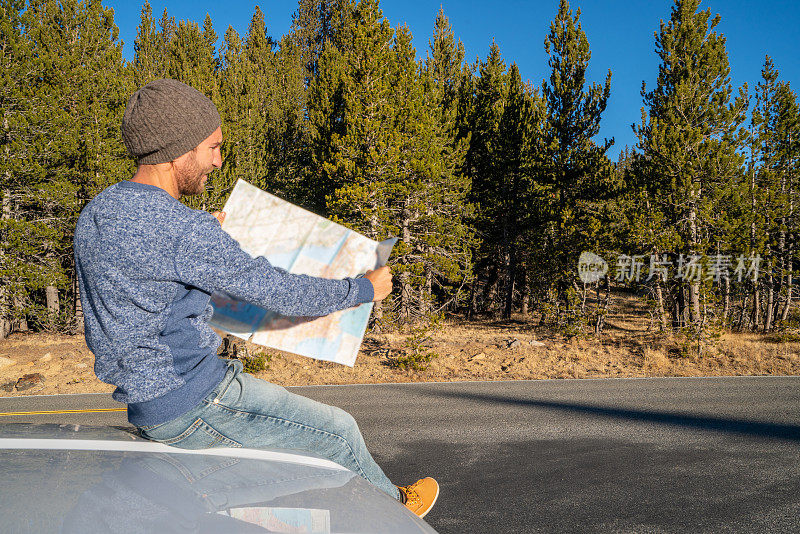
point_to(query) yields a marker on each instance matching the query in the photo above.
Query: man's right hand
(381, 282)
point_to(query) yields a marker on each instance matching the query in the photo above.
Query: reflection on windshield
(189, 493)
(169, 493)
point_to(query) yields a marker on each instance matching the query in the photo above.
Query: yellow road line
(48, 412)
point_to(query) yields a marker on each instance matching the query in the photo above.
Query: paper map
(300, 242)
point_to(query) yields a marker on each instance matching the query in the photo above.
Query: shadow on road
(602, 486)
(675, 419)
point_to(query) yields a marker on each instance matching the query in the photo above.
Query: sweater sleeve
(210, 259)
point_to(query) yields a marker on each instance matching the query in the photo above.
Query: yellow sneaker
(420, 496)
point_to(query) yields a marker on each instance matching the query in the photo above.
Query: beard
(190, 177)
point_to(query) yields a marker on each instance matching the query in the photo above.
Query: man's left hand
(381, 279)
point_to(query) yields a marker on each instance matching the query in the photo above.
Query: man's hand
(220, 215)
(381, 282)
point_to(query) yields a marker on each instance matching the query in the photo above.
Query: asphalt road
(644, 456)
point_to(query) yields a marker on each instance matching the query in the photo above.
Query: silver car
(75, 478)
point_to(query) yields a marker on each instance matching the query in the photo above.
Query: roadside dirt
(483, 350)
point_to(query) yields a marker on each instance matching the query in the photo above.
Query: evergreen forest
(494, 185)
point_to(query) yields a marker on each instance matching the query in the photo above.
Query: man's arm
(211, 260)
(381, 278)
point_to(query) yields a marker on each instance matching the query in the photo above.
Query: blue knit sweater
(147, 266)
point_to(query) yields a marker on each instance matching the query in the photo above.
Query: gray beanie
(166, 119)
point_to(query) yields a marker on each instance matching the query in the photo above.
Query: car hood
(76, 478)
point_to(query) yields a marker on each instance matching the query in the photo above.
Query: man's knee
(345, 422)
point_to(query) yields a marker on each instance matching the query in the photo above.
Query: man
(147, 266)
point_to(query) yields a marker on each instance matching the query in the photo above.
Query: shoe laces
(412, 497)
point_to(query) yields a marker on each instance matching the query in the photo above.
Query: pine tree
(259, 69)
(191, 56)
(447, 238)
(788, 135)
(290, 141)
(234, 103)
(151, 59)
(363, 156)
(277, 75)
(315, 24)
(482, 167)
(409, 147)
(149, 50)
(167, 29)
(773, 153)
(386, 146)
(15, 65)
(510, 198)
(578, 172)
(242, 100)
(689, 140)
(426, 198)
(78, 90)
(443, 65)
(352, 107)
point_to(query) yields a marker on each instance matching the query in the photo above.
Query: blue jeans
(244, 411)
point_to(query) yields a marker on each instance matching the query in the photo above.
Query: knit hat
(166, 119)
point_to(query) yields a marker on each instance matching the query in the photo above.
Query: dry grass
(463, 351)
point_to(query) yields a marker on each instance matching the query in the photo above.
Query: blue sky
(620, 34)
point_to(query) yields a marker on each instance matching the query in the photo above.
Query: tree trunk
(789, 286)
(726, 295)
(694, 298)
(5, 322)
(15, 303)
(743, 314)
(686, 310)
(76, 291)
(770, 302)
(426, 298)
(680, 309)
(788, 304)
(755, 321)
(5, 298)
(51, 296)
(490, 289)
(694, 288)
(753, 209)
(405, 287)
(780, 290)
(525, 291)
(511, 275)
(473, 294)
(662, 311)
(790, 261)
(676, 307)
(22, 322)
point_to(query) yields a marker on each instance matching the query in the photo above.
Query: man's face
(193, 167)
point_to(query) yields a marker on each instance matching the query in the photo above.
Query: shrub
(416, 355)
(256, 363)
